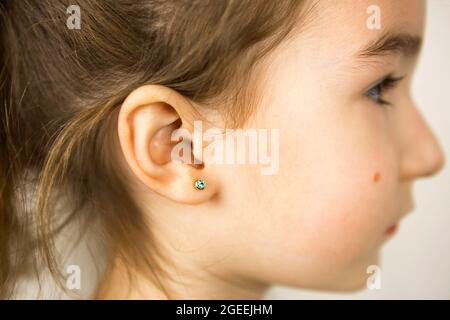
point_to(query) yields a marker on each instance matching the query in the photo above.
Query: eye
(376, 92)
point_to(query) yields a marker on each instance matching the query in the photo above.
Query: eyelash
(375, 93)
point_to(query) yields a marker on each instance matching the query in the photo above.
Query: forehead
(338, 29)
(352, 15)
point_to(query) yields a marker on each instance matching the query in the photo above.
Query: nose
(421, 154)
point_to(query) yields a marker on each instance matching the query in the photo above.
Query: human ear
(147, 119)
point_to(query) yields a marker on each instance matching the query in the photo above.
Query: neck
(195, 284)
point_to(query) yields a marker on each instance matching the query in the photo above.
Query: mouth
(394, 228)
(391, 230)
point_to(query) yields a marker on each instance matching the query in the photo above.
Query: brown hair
(60, 90)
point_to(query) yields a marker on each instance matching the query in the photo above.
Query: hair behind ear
(6, 185)
(59, 89)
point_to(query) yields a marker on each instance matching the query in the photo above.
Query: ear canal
(161, 143)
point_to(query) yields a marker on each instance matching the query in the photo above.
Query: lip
(391, 230)
(394, 228)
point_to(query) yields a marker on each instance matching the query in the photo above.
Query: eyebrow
(405, 44)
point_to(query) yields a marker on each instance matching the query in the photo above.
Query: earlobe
(146, 121)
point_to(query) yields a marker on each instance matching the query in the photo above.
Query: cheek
(333, 203)
(348, 212)
(323, 215)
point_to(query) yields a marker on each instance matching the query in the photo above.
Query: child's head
(91, 111)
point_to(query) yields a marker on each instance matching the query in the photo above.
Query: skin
(347, 166)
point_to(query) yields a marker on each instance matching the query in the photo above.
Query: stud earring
(199, 184)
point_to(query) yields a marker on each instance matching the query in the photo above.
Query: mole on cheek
(376, 177)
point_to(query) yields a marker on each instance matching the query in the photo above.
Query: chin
(355, 285)
(353, 278)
